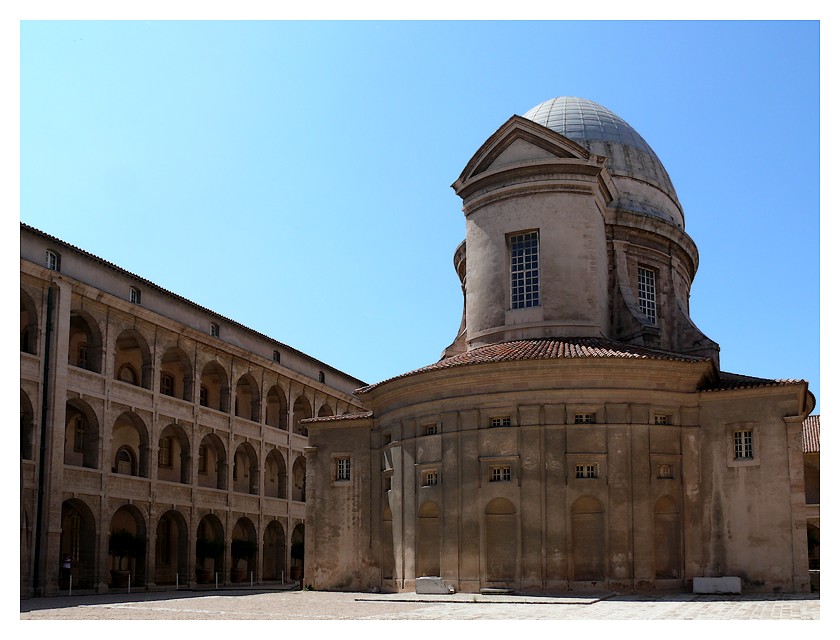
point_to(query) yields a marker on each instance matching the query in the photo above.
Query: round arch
(171, 549)
(78, 545)
(274, 552)
(130, 439)
(246, 470)
(209, 549)
(215, 389)
(85, 342)
(81, 435)
(174, 455)
(127, 544)
(133, 359)
(28, 324)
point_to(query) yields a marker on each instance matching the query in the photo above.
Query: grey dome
(602, 132)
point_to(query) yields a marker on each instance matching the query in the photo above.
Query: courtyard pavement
(240, 605)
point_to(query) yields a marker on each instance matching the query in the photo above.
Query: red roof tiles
(811, 434)
(544, 349)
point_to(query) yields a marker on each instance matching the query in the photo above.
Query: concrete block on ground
(725, 584)
(431, 585)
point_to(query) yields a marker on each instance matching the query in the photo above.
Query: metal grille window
(500, 473)
(134, 295)
(584, 418)
(342, 471)
(430, 478)
(661, 418)
(743, 445)
(500, 422)
(586, 471)
(214, 329)
(525, 270)
(665, 471)
(647, 293)
(431, 429)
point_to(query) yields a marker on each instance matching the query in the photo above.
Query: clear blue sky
(295, 176)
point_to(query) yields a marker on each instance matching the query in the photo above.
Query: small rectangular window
(53, 261)
(134, 295)
(214, 329)
(743, 441)
(79, 435)
(661, 418)
(584, 418)
(500, 473)
(430, 478)
(202, 396)
(431, 429)
(321, 377)
(500, 422)
(586, 471)
(82, 359)
(167, 384)
(647, 294)
(276, 356)
(524, 251)
(165, 452)
(342, 471)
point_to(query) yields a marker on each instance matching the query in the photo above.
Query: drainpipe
(42, 454)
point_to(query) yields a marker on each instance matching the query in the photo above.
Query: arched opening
(299, 479)
(81, 435)
(130, 444)
(127, 548)
(588, 540)
(813, 531)
(212, 462)
(209, 550)
(274, 552)
(27, 428)
(325, 411)
(297, 552)
(174, 455)
(246, 471)
(428, 540)
(132, 359)
(85, 348)
(500, 543)
(247, 404)
(28, 324)
(301, 411)
(276, 412)
(171, 549)
(214, 391)
(667, 538)
(275, 475)
(243, 551)
(78, 546)
(388, 561)
(176, 374)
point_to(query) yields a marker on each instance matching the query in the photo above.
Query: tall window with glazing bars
(525, 270)
(647, 293)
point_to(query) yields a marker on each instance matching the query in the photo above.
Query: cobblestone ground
(312, 605)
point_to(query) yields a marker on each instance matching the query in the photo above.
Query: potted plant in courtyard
(206, 548)
(241, 549)
(124, 546)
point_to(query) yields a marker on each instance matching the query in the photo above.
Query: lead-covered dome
(600, 131)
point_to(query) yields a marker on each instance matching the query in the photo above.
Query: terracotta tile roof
(730, 381)
(343, 416)
(545, 349)
(811, 434)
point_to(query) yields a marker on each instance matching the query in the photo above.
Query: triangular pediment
(520, 141)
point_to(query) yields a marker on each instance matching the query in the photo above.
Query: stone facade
(143, 411)
(578, 433)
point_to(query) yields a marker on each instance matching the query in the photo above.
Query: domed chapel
(578, 433)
